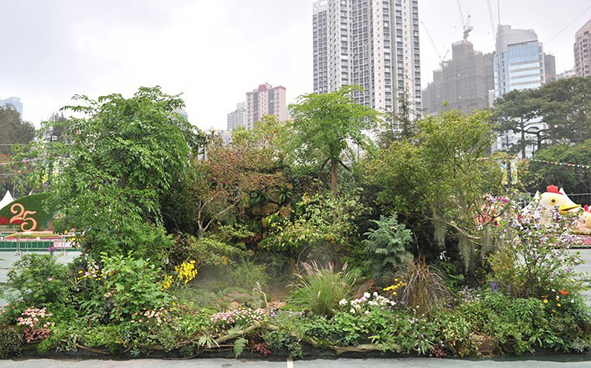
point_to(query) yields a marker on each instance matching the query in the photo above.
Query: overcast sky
(214, 51)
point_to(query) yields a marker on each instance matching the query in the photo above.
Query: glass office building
(518, 65)
(518, 60)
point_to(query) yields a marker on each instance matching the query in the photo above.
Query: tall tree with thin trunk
(327, 125)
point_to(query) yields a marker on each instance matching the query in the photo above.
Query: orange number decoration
(22, 216)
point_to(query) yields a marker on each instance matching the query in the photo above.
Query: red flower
(563, 292)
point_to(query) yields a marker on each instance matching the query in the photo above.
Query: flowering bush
(238, 317)
(367, 302)
(36, 324)
(183, 273)
(395, 286)
(535, 260)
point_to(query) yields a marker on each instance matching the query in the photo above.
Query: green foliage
(284, 340)
(238, 346)
(124, 285)
(563, 105)
(318, 223)
(321, 289)
(327, 125)
(40, 281)
(115, 163)
(387, 247)
(425, 290)
(11, 343)
(457, 332)
(519, 325)
(208, 252)
(389, 330)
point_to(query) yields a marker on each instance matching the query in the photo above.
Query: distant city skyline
(209, 49)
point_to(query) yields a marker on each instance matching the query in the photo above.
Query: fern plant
(386, 247)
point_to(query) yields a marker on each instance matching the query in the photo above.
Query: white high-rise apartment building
(236, 117)
(583, 51)
(371, 43)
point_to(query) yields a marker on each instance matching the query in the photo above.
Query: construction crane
(441, 58)
(492, 22)
(466, 26)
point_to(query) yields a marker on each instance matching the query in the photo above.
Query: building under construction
(462, 83)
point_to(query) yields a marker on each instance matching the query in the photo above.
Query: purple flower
(494, 286)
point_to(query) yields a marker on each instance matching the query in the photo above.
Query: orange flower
(563, 292)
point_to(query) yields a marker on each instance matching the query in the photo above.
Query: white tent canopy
(6, 200)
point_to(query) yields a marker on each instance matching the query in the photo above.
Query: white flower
(366, 295)
(352, 311)
(343, 302)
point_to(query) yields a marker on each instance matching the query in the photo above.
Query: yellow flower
(545, 301)
(559, 305)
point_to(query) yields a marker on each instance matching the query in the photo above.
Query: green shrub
(39, 281)
(522, 324)
(121, 287)
(11, 343)
(321, 289)
(457, 333)
(386, 247)
(284, 340)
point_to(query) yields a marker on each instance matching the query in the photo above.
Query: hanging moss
(466, 250)
(439, 234)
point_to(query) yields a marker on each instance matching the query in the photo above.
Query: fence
(59, 244)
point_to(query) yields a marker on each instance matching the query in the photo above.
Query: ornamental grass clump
(424, 289)
(321, 289)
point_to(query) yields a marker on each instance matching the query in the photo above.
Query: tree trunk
(334, 165)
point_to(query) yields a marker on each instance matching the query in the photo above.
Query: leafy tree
(327, 125)
(398, 124)
(229, 175)
(115, 163)
(538, 175)
(518, 111)
(15, 134)
(565, 105)
(14, 129)
(443, 179)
